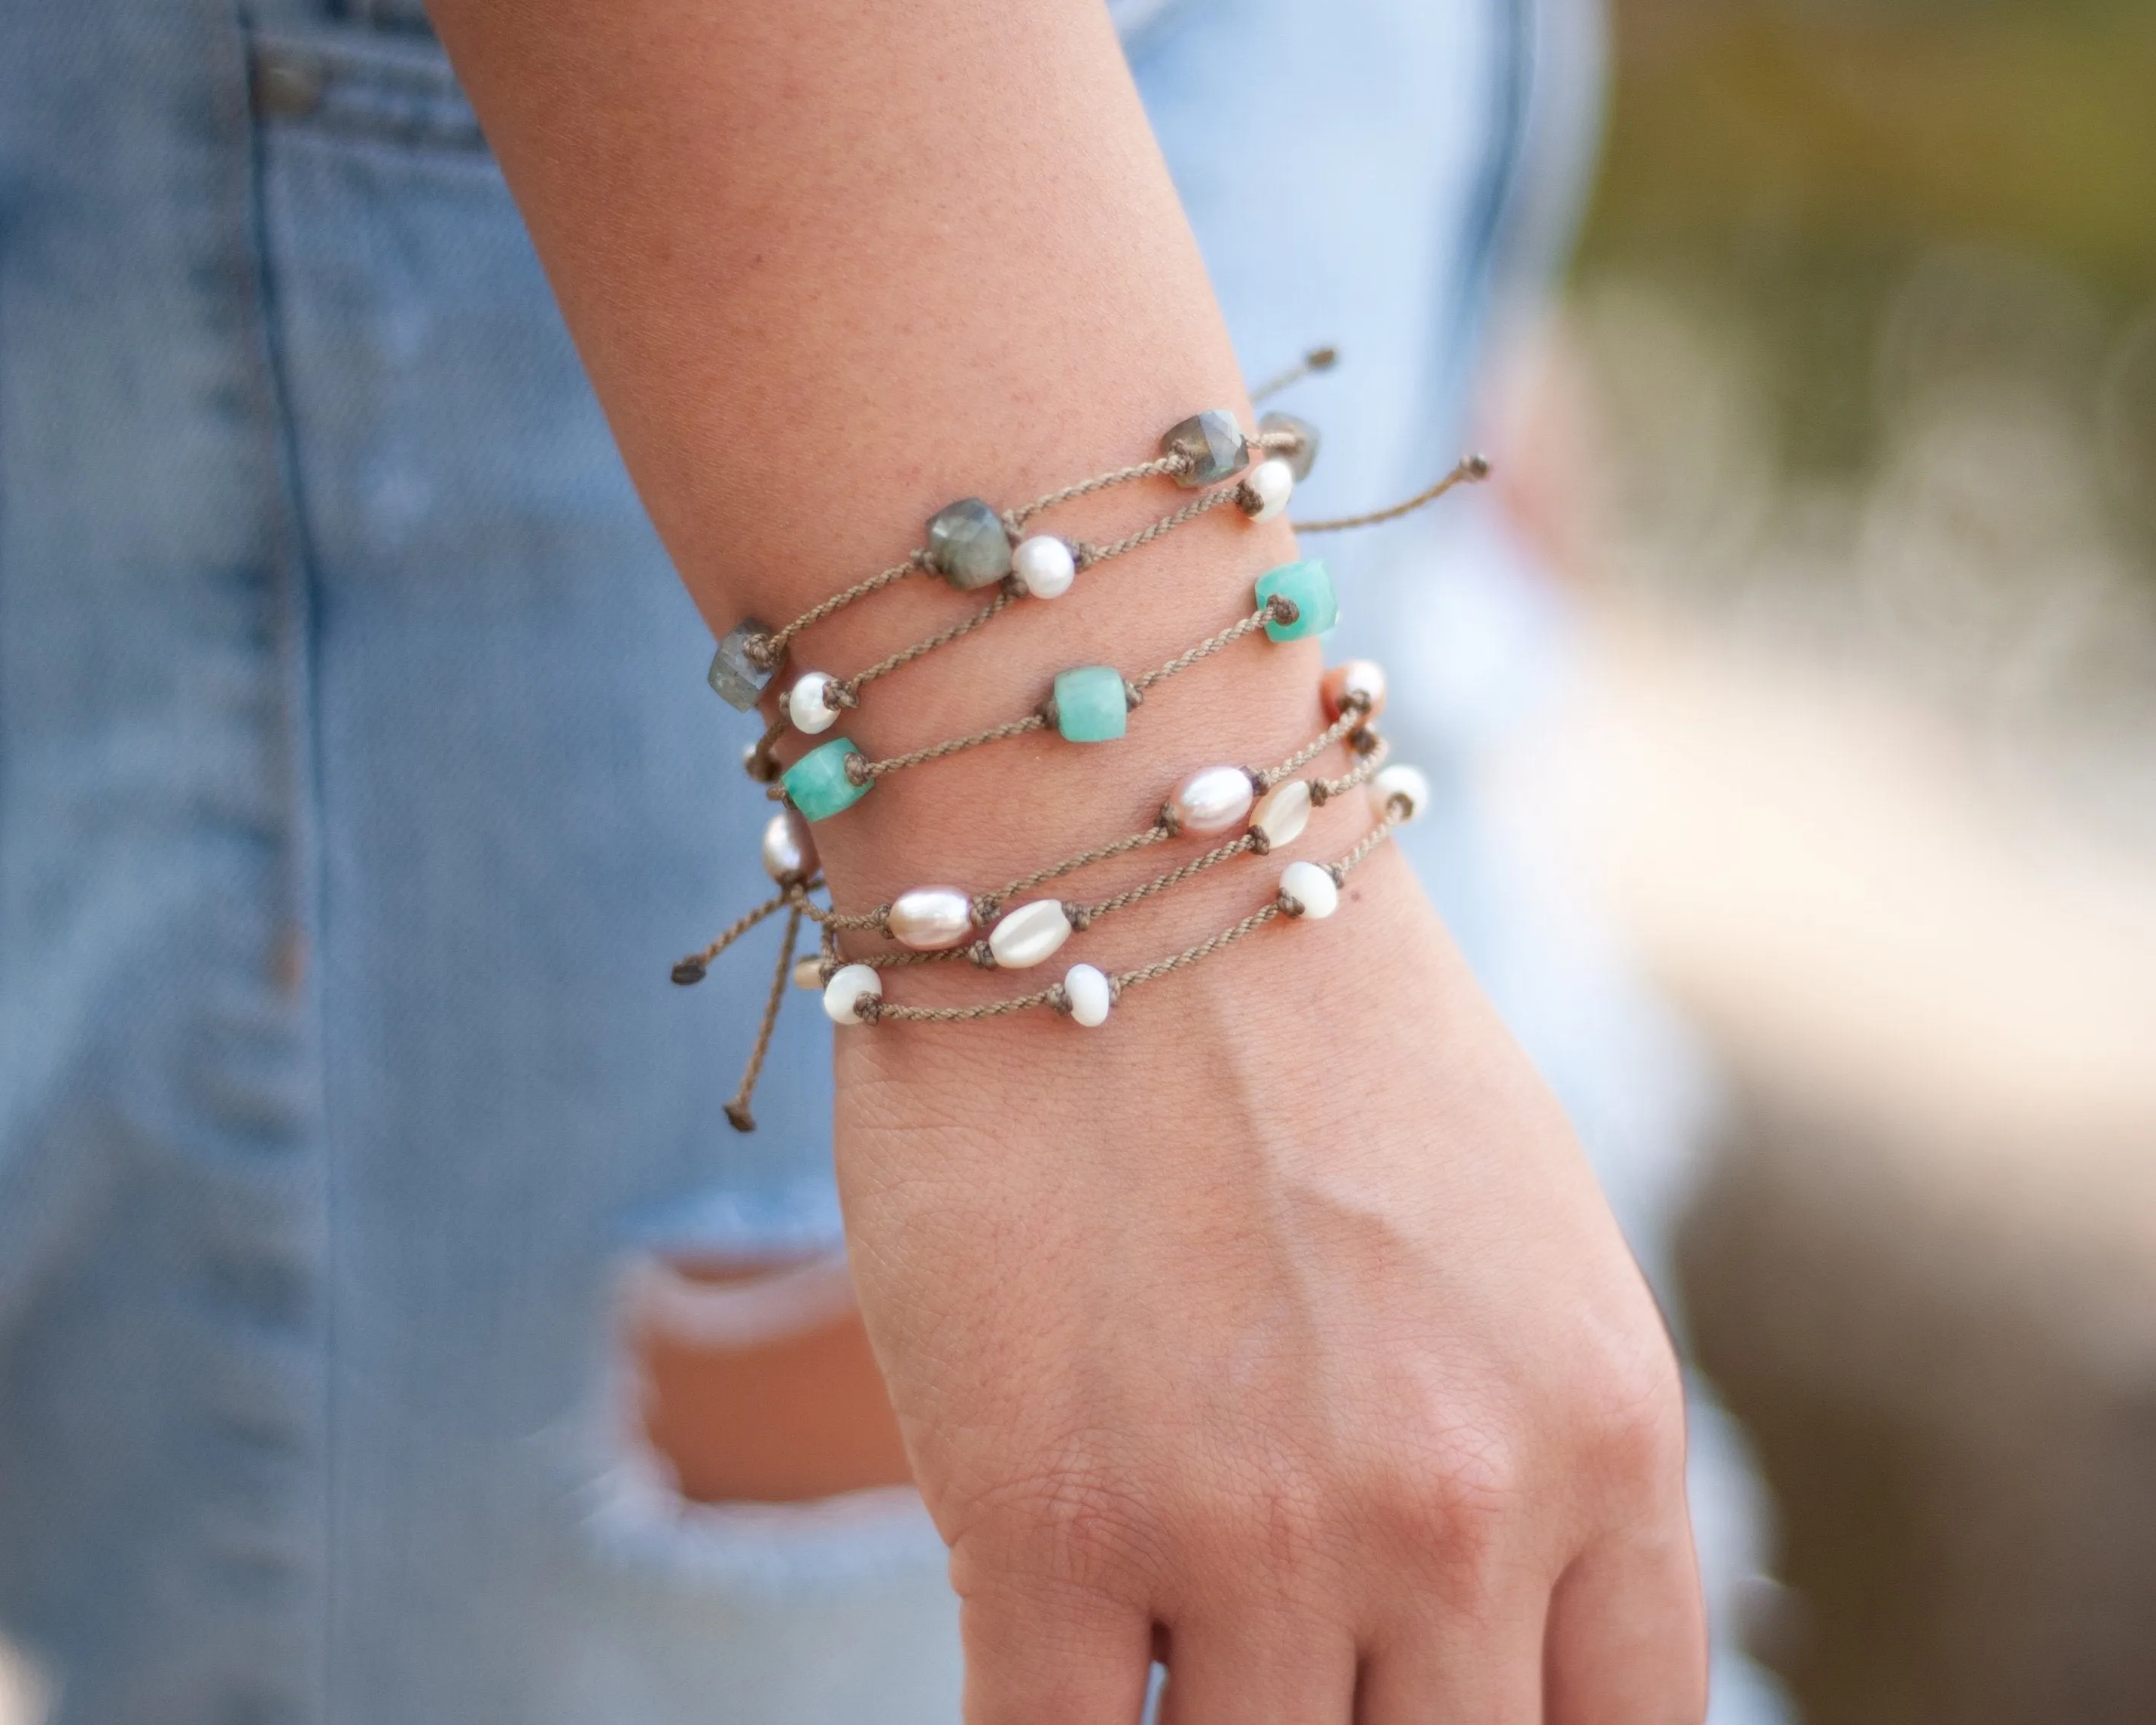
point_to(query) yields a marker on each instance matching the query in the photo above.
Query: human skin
(1276, 1327)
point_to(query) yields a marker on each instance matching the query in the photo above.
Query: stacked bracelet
(1245, 811)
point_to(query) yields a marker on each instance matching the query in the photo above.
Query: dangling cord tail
(691, 968)
(1318, 359)
(1471, 471)
(737, 1114)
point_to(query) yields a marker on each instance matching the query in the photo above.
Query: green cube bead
(1310, 586)
(817, 783)
(1090, 706)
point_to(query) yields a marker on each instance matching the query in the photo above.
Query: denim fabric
(358, 783)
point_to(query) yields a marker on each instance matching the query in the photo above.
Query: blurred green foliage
(1791, 161)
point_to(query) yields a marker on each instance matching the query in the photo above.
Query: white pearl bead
(842, 994)
(805, 705)
(1402, 781)
(1090, 996)
(808, 973)
(1212, 799)
(929, 919)
(1312, 887)
(1031, 933)
(1353, 676)
(1283, 812)
(788, 851)
(1045, 566)
(1271, 484)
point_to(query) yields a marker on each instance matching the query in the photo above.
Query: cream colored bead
(805, 705)
(1282, 812)
(808, 973)
(1311, 887)
(1029, 935)
(1212, 799)
(1090, 996)
(789, 854)
(1353, 676)
(1405, 782)
(931, 919)
(1045, 567)
(1267, 488)
(843, 992)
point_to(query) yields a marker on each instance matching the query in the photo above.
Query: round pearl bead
(931, 919)
(1212, 799)
(1090, 996)
(1029, 935)
(1353, 676)
(1283, 812)
(805, 705)
(1268, 486)
(1045, 566)
(1404, 782)
(788, 852)
(1311, 887)
(843, 994)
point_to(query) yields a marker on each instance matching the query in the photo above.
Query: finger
(1627, 1642)
(1054, 1659)
(1486, 1673)
(1259, 1670)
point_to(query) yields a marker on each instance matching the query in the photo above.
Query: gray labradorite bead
(966, 544)
(735, 678)
(1213, 443)
(1300, 459)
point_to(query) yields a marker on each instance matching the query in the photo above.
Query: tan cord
(987, 905)
(691, 969)
(874, 1010)
(1472, 470)
(736, 1110)
(860, 770)
(1318, 359)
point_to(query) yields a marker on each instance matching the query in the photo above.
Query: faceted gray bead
(735, 678)
(1213, 444)
(1301, 458)
(968, 544)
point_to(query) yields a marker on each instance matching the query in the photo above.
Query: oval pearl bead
(1029, 935)
(1269, 486)
(1212, 799)
(1353, 676)
(1283, 812)
(1045, 566)
(788, 851)
(1089, 994)
(1402, 782)
(1312, 887)
(805, 705)
(842, 994)
(931, 919)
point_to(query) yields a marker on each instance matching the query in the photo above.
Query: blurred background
(1846, 431)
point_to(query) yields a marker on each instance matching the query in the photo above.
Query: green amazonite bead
(1090, 706)
(817, 783)
(1308, 584)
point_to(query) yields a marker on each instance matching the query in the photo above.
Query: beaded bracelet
(1087, 704)
(972, 546)
(1307, 890)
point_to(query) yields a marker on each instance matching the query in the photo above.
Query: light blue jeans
(358, 783)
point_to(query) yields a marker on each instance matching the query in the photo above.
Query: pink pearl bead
(1352, 676)
(1213, 799)
(931, 919)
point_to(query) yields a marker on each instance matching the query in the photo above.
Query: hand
(1277, 1325)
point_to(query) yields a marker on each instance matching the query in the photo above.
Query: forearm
(832, 267)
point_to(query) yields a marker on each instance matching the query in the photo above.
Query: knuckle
(1068, 1528)
(1452, 1501)
(1629, 1413)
